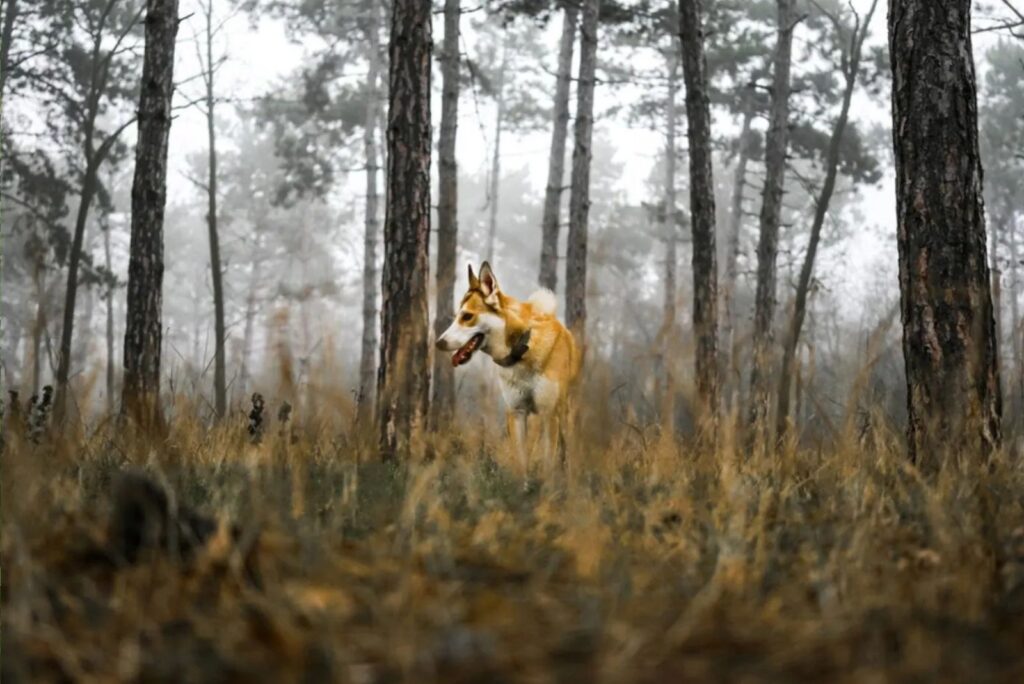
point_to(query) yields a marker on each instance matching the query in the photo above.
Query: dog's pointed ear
(489, 284)
(474, 282)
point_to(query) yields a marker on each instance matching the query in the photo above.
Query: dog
(537, 358)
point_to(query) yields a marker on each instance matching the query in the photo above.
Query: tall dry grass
(648, 559)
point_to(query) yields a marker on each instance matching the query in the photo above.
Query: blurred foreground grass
(648, 561)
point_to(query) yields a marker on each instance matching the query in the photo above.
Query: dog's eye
(465, 317)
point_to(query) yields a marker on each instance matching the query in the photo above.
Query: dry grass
(647, 561)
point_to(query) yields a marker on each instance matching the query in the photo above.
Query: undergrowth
(648, 560)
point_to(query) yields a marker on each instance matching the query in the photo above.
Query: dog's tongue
(465, 352)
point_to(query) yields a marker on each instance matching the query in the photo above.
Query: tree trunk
(997, 289)
(732, 252)
(447, 212)
(371, 283)
(6, 35)
(142, 337)
(93, 158)
(40, 324)
(556, 160)
(108, 297)
(249, 328)
(702, 207)
(80, 354)
(949, 344)
(670, 224)
(671, 216)
(499, 122)
(771, 215)
(71, 291)
(1016, 384)
(851, 70)
(403, 377)
(579, 200)
(220, 392)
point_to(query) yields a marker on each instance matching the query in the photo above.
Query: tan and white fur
(536, 355)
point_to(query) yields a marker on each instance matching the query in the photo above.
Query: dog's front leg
(517, 434)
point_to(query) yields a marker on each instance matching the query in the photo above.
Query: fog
(291, 199)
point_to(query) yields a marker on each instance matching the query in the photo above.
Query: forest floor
(304, 558)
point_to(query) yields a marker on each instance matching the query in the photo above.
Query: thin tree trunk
(997, 286)
(220, 393)
(771, 216)
(93, 158)
(142, 337)
(109, 302)
(249, 328)
(670, 224)
(403, 382)
(851, 70)
(579, 200)
(556, 159)
(732, 252)
(40, 324)
(949, 343)
(6, 36)
(447, 212)
(71, 292)
(80, 356)
(1016, 384)
(371, 282)
(702, 207)
(499, 122)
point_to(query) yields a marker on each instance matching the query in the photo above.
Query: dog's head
(478, 318)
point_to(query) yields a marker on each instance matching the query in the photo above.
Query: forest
(787, 435)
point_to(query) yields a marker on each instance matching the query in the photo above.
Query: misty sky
(259, 55)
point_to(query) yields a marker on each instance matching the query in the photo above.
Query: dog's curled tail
(544, 301)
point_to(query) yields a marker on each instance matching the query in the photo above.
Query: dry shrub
(649, 560)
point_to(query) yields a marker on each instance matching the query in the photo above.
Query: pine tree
(142, 337)
(447, 211)
(403, 380)
(949, 343)
(579, 202)
(702, 205)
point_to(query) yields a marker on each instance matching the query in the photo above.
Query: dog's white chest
(526, 392)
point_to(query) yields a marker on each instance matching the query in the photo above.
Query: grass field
(304, 559)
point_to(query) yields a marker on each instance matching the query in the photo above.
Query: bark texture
(949, 343)
(550, 221)
(702, 206)
(403, 377)
(771, 216)
(579, 201)
(852, 47)
(447, 212)
(142, 337)
(371, 230)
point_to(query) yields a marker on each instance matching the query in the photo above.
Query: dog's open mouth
(465, 352)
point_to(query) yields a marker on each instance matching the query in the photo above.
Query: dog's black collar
(519, 349)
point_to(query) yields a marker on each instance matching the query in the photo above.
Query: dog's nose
(440, 343)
